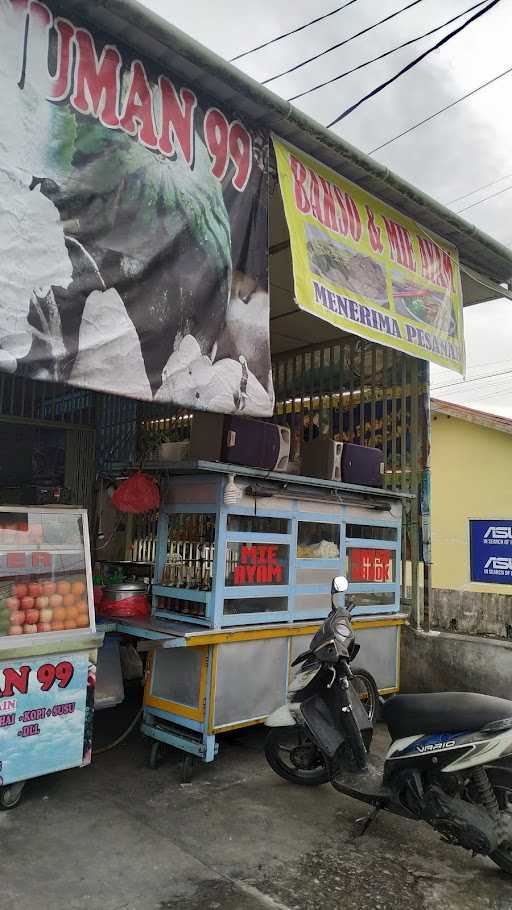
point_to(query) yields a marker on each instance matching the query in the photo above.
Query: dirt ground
(119, 836)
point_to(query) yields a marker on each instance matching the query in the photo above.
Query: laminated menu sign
(362, 266)
(44, 715)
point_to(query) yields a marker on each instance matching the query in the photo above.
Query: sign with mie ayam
(361, 265)
(258, 566)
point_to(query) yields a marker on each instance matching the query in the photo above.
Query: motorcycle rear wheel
(283, 743)
(501, 782)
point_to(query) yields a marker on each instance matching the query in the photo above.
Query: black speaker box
(239, 440)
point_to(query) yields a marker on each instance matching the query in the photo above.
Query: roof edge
(470, 415)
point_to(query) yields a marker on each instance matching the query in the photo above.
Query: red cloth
(135, 606)
(138, 494)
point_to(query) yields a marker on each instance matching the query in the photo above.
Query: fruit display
(28, 607)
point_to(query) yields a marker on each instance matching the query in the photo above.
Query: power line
(485, 199)
(398, 47)
(441, 111)
(293, 31)
(465, 382)
(413, 63)
(478, 188)
(335, 47)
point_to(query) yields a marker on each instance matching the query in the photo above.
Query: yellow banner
(365, 268)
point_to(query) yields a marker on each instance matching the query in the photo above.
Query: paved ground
(118, 836)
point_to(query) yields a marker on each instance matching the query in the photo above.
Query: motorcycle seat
(442, 712)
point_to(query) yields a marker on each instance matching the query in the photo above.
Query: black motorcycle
(449, 763)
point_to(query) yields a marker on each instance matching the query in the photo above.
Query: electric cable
(474, 379)
(484, 186)
(335, 47)
(393, 50)
(440, 111)
(293, 31)
(485, 199)
(409, 66)
(120, 739)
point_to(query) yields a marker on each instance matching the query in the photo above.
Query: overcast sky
(456, 153)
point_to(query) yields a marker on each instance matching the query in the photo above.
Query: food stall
(48, 645)
(243, 567)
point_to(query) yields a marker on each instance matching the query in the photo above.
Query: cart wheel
(187, 769)
(155, 756)
(11, 795)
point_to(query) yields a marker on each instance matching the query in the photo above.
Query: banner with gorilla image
(133, 224)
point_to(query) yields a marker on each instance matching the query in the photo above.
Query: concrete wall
(440, 661)
(471, 467)
(471, 612)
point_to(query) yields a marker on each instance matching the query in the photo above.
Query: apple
(82, 621)
(49, 587)
(30, 628)
(16, 630)
(35, 589)
(42, 602)
(63, 587)
(71, 612)
(59, 614)
(56, 600)
(32, 617)
(46, 615)
(69, 600)
(27, 603)
(78, 588)
(20, 590)
(12, 603)
(44, 627)
(17, 617)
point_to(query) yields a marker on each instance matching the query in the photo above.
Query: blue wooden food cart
(243, 568)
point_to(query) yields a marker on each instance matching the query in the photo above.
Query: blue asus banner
(491, 550)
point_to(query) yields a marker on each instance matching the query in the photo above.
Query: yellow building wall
(471, 478)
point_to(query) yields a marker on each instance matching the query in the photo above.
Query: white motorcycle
(450, 759)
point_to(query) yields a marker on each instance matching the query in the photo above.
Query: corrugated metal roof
(470, 415)
(156, 38)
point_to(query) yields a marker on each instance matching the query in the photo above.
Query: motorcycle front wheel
(292, 754)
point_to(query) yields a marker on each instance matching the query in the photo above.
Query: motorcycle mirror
(339, 585)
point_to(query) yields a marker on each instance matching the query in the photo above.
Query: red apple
(29, 629)
(42, 602)
(35, 589)
(12, 603)
(32, 617)
(44, 627)
(27, 603)
(46, 615)
(20, 590)
(49, 587)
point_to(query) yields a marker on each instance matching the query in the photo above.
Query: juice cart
(48, 645)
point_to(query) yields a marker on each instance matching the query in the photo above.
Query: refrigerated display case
(48, 643)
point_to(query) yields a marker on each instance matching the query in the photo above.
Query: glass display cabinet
(271, 557)
(48, 645)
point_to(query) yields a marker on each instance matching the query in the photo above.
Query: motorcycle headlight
(342, 629)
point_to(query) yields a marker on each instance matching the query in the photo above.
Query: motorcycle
(450, 759)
